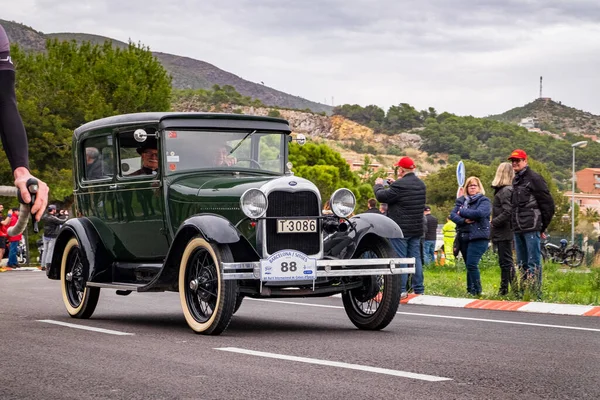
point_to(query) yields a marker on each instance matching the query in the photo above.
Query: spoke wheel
(79, 299)
(373, 306)
(574, 257)
(207, 300)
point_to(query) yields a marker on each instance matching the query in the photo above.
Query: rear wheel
(374, 305)
(79, 299)
(207, 300)
(574, 257)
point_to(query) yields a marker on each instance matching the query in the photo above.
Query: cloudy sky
(476, 57)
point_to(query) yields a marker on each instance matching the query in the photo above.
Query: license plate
(288, 265)
(296, 225)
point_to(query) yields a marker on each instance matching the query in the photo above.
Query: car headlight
(342, 202)
(253, 203)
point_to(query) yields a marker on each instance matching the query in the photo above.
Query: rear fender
(94, 251)
(343, 244)
(214, 229)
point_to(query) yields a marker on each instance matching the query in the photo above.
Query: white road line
(85, 328)
(404, 374)
(498, 321)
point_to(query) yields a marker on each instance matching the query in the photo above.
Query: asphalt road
(296, 349)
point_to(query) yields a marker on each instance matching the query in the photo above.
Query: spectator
(430, 236)
(52, 225)
(449, 231)
(372, 207)
(327, 208)
(405, 198)
(224, 157)
(14, 241)
(3, 232)
(471, 214)
(597, 252)
(501, 230)
(383, 208)
(532, 211)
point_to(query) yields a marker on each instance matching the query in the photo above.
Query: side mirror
(300, 139)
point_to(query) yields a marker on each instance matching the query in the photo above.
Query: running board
(116, 285)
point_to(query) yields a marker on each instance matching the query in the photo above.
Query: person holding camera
(405, 198)
(52, 224)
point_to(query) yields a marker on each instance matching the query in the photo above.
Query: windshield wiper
(242, 141)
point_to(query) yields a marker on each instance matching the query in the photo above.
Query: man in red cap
(405, 198)
(533, 209)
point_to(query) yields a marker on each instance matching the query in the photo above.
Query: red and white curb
(524, 306)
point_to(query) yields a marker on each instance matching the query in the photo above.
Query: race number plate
(288, 265)
(296, 225)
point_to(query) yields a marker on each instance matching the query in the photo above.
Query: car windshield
(246, 150)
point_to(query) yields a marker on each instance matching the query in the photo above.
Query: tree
(71, 84)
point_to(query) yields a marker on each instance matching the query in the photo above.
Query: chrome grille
(296, 204)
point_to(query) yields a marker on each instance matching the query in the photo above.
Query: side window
(137, 159)
(98, 154)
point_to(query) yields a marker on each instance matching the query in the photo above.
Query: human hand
(543, 235)
(22, 175)
(461, 192)
(469, 221)
(379, 181)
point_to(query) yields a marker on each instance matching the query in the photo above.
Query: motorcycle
(563, 254)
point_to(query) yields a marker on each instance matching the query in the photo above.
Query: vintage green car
(206, 205)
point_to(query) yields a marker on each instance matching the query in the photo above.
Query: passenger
(149, 154)
(93, 164)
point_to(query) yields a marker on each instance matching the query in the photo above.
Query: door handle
(112, 187)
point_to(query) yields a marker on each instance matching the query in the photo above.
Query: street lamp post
(581, 144)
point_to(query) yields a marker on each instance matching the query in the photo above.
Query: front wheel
(574, 257)
(79, 299)
(208, 301)
(374, 305)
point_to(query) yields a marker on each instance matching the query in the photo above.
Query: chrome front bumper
(330, 268)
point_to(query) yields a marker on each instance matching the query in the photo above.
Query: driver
(12, 132)
(223, 157)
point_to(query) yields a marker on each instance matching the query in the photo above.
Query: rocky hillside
(338, 132)
(554, 117)
(187, 73)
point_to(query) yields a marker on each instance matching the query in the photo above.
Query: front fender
(344, 244)
(215, 229)
(93, 250)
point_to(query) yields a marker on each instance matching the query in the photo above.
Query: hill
(554, 117)
(187, 73)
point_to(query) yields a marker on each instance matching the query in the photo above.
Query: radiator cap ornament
(292, 183)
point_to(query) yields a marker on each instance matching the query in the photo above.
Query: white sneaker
(403, 295)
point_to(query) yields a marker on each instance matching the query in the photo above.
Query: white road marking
(498, 321)
(377, 370)
(85, 328)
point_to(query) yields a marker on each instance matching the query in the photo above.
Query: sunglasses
(475, 185)
(516, 160)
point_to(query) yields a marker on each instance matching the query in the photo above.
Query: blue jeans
(529, 254)
(411, 247)
(429, 251)
(12, 254)
(472, 251)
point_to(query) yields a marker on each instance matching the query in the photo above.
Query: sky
(469, 57)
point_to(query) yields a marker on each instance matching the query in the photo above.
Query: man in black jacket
(532, 211)
(52, 225)
(406, 200)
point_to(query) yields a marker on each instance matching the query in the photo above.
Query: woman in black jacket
(502, 234)
(471, 214)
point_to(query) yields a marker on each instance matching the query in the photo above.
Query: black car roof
(206, 119)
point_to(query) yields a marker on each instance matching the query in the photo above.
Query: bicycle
(24, 213)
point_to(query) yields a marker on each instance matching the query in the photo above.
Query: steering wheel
(251, 161)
